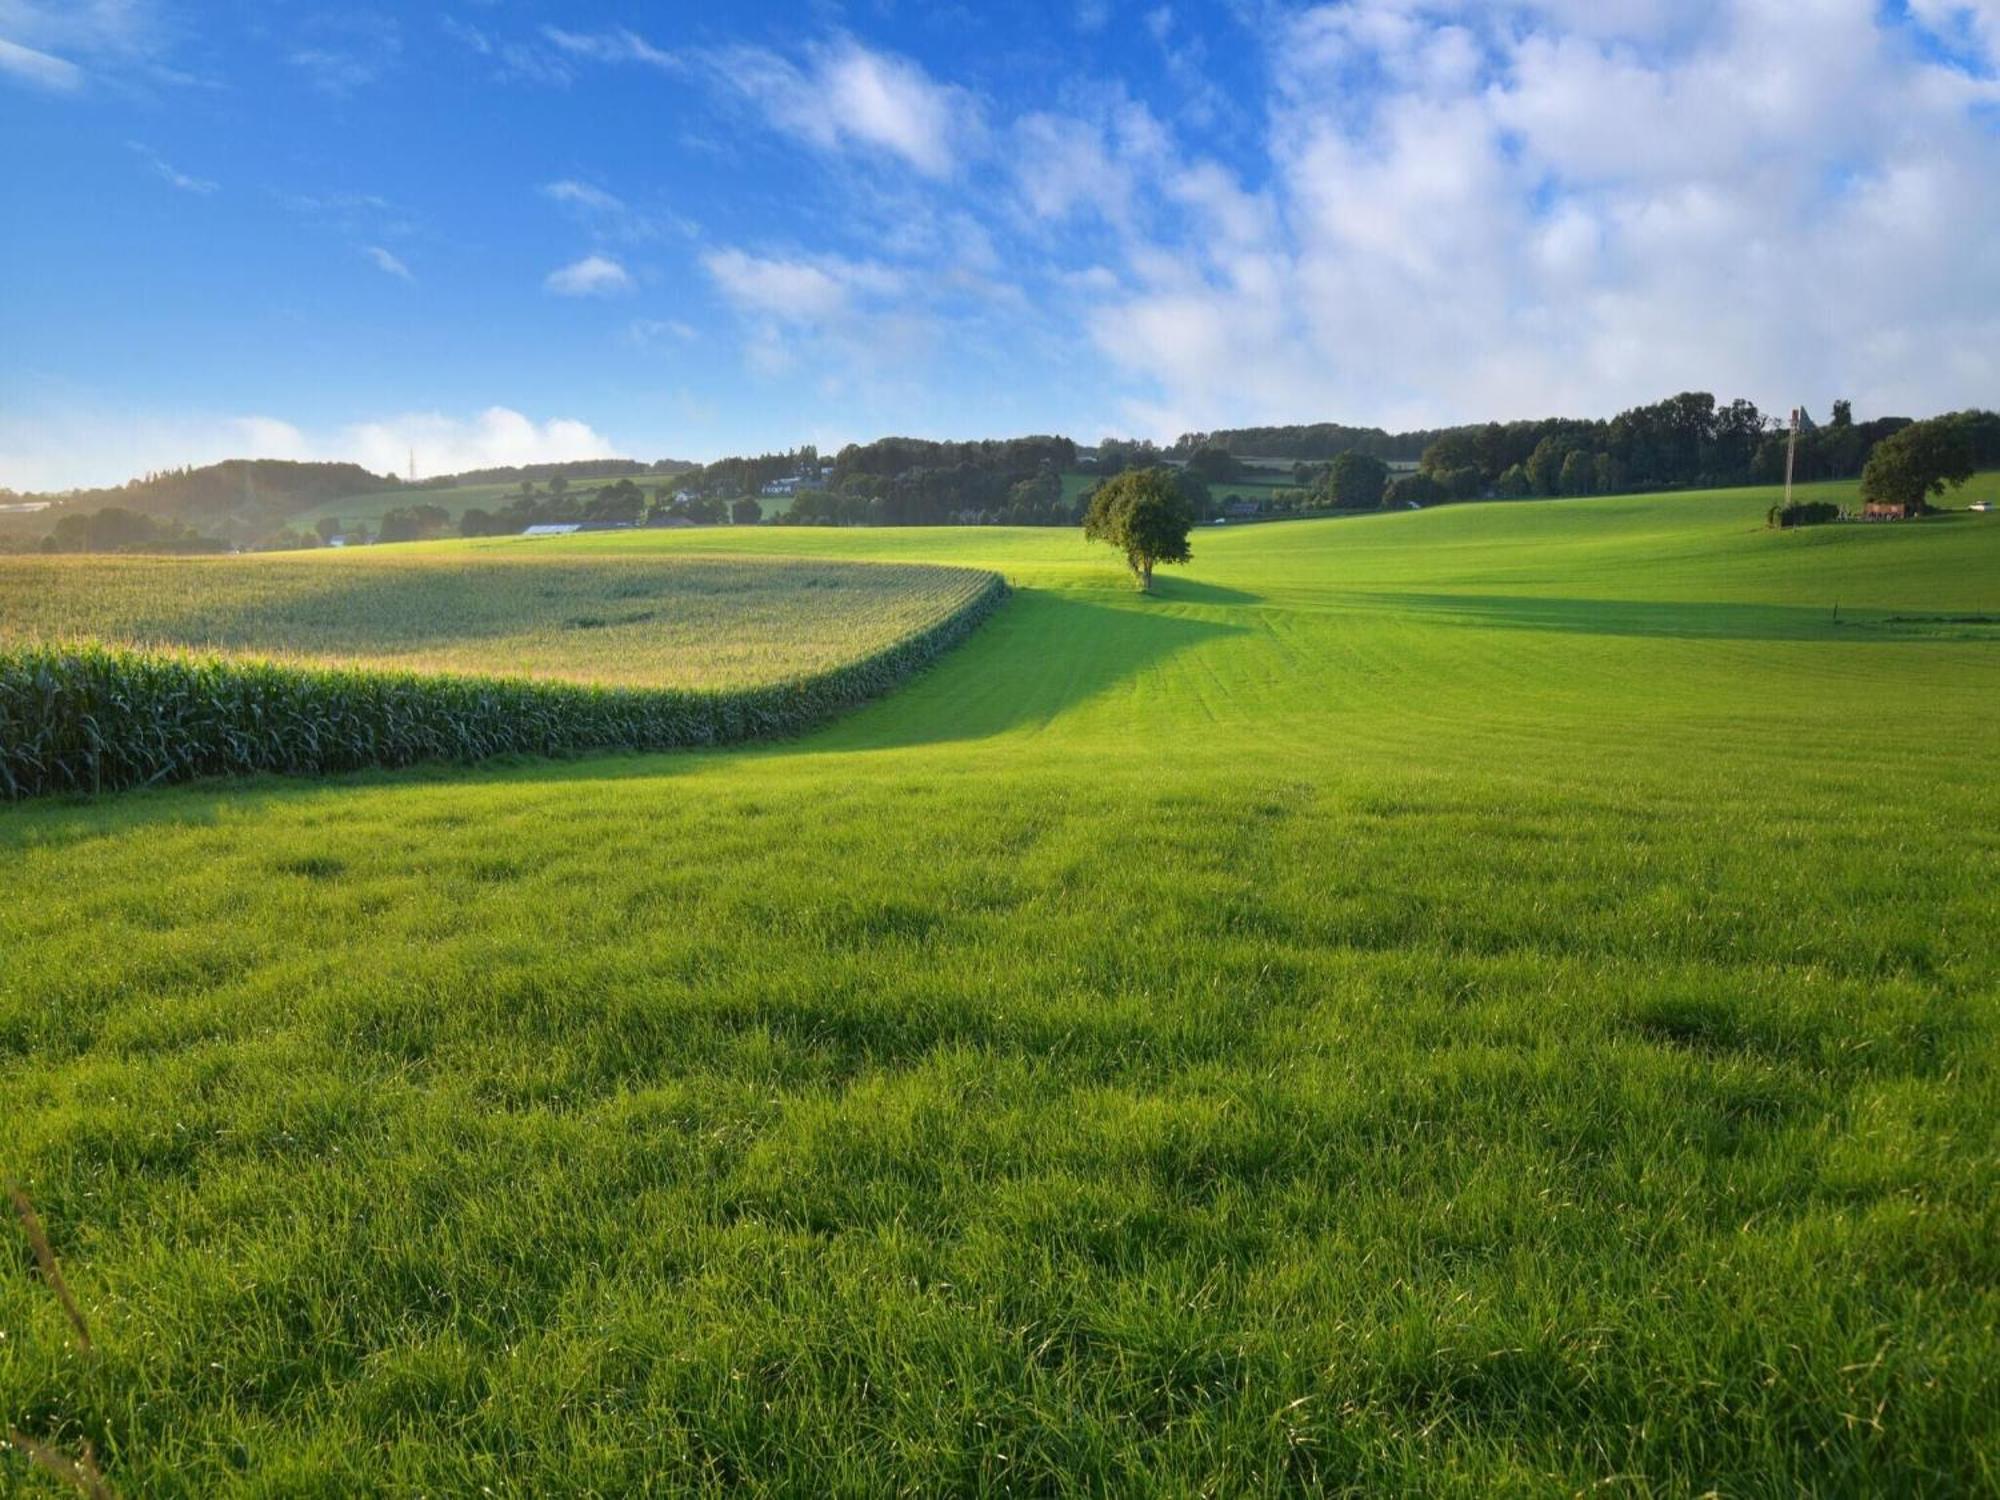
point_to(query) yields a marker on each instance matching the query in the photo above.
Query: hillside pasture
(1499, 1000)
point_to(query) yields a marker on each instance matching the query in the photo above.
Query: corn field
(90, 718)
(612, 620)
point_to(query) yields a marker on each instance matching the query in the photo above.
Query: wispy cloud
(794, 291)
(592, 276)
(845, 96)
(583, 195)
(348, 50)
(610, 218)
(170, 173)
(387, 262)
(42, 69)
(616, 46)
(646, 332)
(68, 45)
(512, 61)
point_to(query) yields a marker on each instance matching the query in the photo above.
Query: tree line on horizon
(1686, 441)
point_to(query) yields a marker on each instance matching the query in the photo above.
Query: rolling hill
(1499, 999)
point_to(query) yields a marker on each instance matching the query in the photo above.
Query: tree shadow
(1046, 653)
(1659, 619)
(1043, 654)
(1176, 589)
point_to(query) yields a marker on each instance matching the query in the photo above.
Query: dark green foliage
(1686, 440)
(745, 512)
(115, 529)
(1194, 493)
(1355, 481)
(1921, 461)
(94, 719)
(1414, 489)
(1319, 440)
(1214, 465)
(1144, 514)
(414, 523)
(1802, 513)
(621, 500)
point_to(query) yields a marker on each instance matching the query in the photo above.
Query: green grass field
(1495, 1000)
(641, 620)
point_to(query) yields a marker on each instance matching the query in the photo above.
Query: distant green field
(646, 620)
(1495, 1000)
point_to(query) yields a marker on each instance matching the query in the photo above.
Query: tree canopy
(1142, 513)
(1922, 460)
(1355, 481)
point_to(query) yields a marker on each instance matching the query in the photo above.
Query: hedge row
(85, 718)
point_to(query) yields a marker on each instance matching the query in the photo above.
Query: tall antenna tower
(413, 457)
(1791, 456)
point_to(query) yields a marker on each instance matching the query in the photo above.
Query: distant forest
(1686, 441)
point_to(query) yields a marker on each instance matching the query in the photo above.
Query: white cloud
(592, 276)
(846, 319)
(848, 96)
(1558, 208)
(610, 218)
(40, 68)
(790, 290)
(169, 173)
(387, 262)
(85, 444)
(646, 332)
(620, 45)
(583, 195)
(451, 445)
(347, 50)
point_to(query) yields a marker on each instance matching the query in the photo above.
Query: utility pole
(1791, 456)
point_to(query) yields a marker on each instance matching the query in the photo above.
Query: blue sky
(509, 230)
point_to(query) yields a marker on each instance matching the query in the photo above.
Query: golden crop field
(633, 621)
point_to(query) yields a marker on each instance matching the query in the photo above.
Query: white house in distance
(791, 484)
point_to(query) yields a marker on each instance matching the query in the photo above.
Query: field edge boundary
(89, 719)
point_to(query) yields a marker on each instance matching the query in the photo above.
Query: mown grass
(1496, 1000)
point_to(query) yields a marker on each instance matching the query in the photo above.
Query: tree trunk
(1146, 576)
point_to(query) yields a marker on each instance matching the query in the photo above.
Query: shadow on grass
(1171, 588)
(1661, 619)
(1045, 653)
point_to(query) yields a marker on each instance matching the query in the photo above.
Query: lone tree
(1143, 515)
(1921, 460)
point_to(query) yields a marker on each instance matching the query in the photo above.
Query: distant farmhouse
(1891, 510)
(791, 484)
